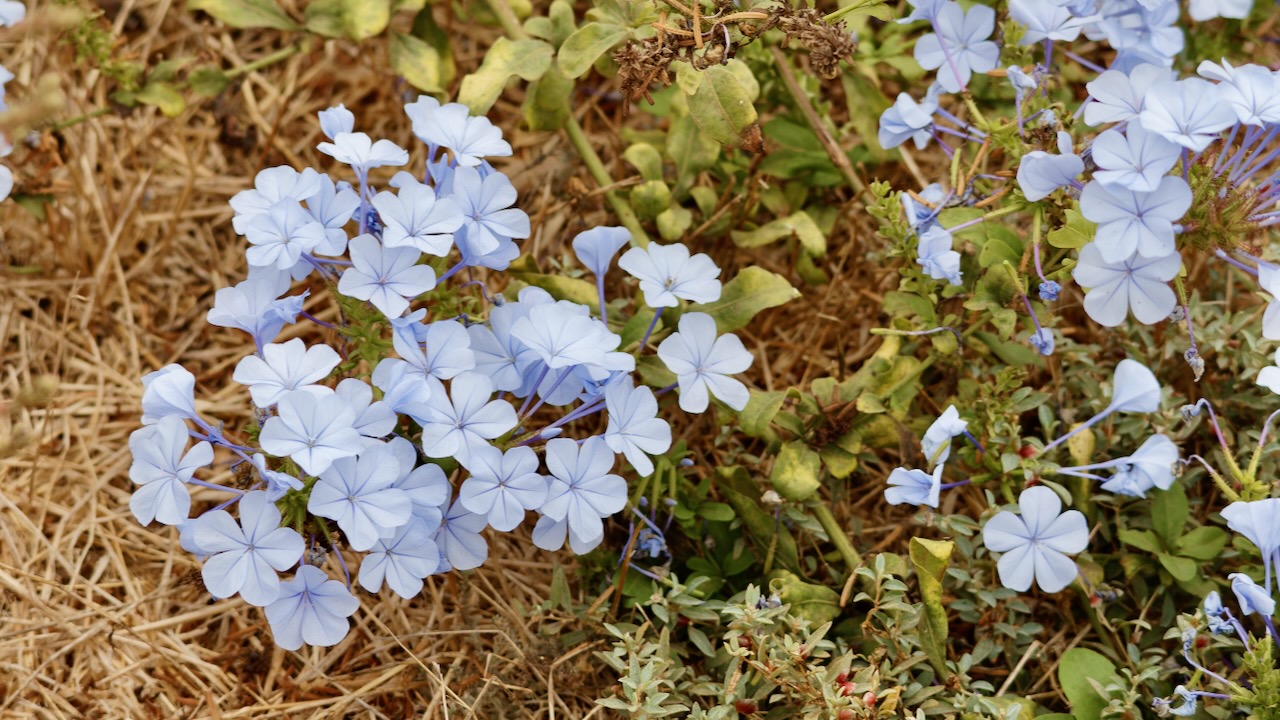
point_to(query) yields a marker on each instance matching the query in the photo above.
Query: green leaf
(720, 105)
(818, 604)
(690, 149)
(163, 96)
(354, 19)
(1182, 569)
(1076, 233)
(208, 80)
(650, 199)
(1077, 667)
(930, 559)
(673, 222)
(526, 59)
(799, 224)
(1002, 245)
(877, 9)
(646, 159)
(716, 511)
(1141, 539)
(246, 13)
(797, 471)
(586, 44)
(1203, 543)
(753, 289)
(546, 107)
(418, 62)
(1169, 513)
(763, 406)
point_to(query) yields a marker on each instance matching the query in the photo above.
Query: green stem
(827, 519)
(269, 60)
(72, 122)
(595, 166)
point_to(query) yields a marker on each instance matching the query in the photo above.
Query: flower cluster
(1150, 167)
(478, 418)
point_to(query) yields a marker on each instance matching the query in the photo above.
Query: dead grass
(101, 618)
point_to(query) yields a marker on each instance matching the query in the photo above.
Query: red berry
(746, 707)
(1027, 452)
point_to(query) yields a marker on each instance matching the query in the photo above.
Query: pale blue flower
(1036, 543)
(426, 485)
(936, 442)
(916, 487)
(1190, 112)
(961, 46)
(362, 153)
(668, 274)
(284, 367)
(1138, 284)
(502, 485)
(595, 248)
(162, 465)
(1150, 466)
(465, 417)
(252, 306)
(936, 255)
(1046, 20)
(469, 138)
(374, 419)
(402, 561)
(1253, 598)
(357, 493)
(462, 547)
(1115, 96)
(488, 215)
(314, 431)
(171, 390)
(278, 483)
(336, 120)
(1219, 616)
(1135, 222)
(1134, 389)
(414, 217)
(1201, 10)
(1043, 341)
(311, 610)
(550, 535)
(271, 187)
(332, 206)
(703, 363)
(1257, 521)
(583, 491)
(12, 13)
(499, 354)
(563, 335)
(923, 10)
(1135, 159)
(280, 236)
(246, 557)
(635, 430)
(388, 277)
(1253, 92)
(907, 119)
(1040, 173)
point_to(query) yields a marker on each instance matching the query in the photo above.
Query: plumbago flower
(1138, 285)
(1041, 173)
(959, 47)
(1036, 542)
(410, 482)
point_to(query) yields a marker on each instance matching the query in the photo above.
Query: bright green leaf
(418, 62)
(797, 471)
(754, 289)
(1203, 543)
(246, 13)
(526, 59)
(163, 96)
(1076, 233)
(1169, 513)
(582, 48)
(930, 559)
(1077, 667)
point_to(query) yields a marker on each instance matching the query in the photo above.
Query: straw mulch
(102, 618)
